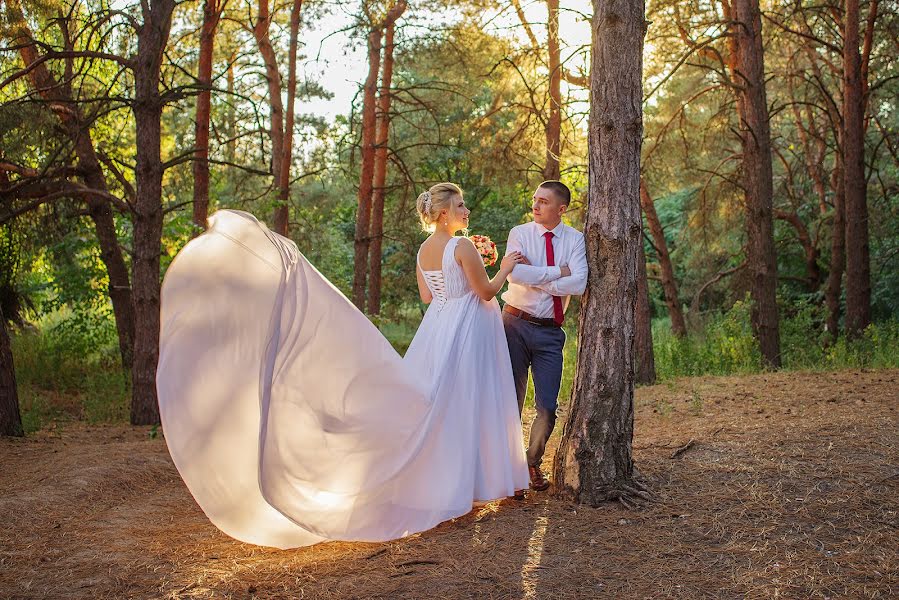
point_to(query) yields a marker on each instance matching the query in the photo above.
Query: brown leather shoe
(538, 481)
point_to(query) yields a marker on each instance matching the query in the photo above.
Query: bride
(291, 418)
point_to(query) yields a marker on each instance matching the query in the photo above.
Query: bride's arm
(473, 266)
(423, 289)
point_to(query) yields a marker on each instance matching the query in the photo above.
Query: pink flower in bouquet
(486, 248)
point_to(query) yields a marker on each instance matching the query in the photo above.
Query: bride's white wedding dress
(291, 418)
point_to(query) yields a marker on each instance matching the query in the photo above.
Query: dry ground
(790, 488)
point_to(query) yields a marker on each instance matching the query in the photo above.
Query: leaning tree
(594, 462)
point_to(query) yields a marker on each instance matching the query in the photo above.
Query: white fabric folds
(291, 418)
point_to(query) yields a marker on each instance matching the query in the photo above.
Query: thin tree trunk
(273, 79)
(99, 210)
(380, 175)
(231, 113)
(858, 261)
(10, 418)
(120, 292)
(867, 46)
(748, 71)
(551, 169)
(834, 283)
(645, 364)
(669, 283)
(363, 210)
(594, 462)
(812, 270)
(813, 155)
(381, 134)
(151, 42)
(282, 211)
(212, 11)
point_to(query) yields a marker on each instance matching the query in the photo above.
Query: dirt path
(790, 488)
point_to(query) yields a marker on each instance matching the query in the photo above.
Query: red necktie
(558, 315)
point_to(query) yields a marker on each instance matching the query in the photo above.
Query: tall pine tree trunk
(276, 105)
(748, 73)
(10, 419)
(834, 283)
(669, 283)
(645, 363)
(212, 11)
(594, 462)
(858, 261)
(380, 175)
(551, 169)
(151, 42)
(363, 208)
(282, 211)
(99, 210)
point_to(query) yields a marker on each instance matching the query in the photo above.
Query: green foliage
(877, 348)
(726, 345)
(68, 367)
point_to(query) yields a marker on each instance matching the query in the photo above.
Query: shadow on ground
(777, 485)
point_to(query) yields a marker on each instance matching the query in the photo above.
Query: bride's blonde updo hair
(432, 202)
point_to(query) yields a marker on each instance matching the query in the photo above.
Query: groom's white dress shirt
(532, 287)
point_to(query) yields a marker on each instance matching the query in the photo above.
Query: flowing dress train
(291, 418)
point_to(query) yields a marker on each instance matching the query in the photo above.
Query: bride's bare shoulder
(465, 244)
(425, 245)
(430, 254)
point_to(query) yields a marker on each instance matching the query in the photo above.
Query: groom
(535, 306)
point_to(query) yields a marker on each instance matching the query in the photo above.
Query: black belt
(516, 312)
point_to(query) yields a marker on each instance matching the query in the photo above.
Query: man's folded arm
(529, 274)
(576, 283)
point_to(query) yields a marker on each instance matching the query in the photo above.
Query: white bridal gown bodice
(291, 418)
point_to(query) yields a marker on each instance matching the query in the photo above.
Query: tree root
(644, 494)
(635, 494)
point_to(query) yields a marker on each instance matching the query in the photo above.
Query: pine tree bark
(273, 80)
(594, 462)
(212, 11)
(747, 67)
(361, 242)
(834, 283)
(645, 364)
(551, 169)
(669, 283)
(10, 418)
(282, 211)
(78, 130)
(380, 174)
(152, 38)
(858, 261)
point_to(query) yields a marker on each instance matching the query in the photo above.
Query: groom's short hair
(559, 189)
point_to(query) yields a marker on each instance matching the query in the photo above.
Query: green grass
(726, 346)
(68, 367)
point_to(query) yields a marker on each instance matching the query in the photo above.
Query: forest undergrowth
(67, 364)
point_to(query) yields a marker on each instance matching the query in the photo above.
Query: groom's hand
(566, 272)
(524, 260)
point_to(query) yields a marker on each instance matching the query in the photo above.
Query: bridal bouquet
(486, 248)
